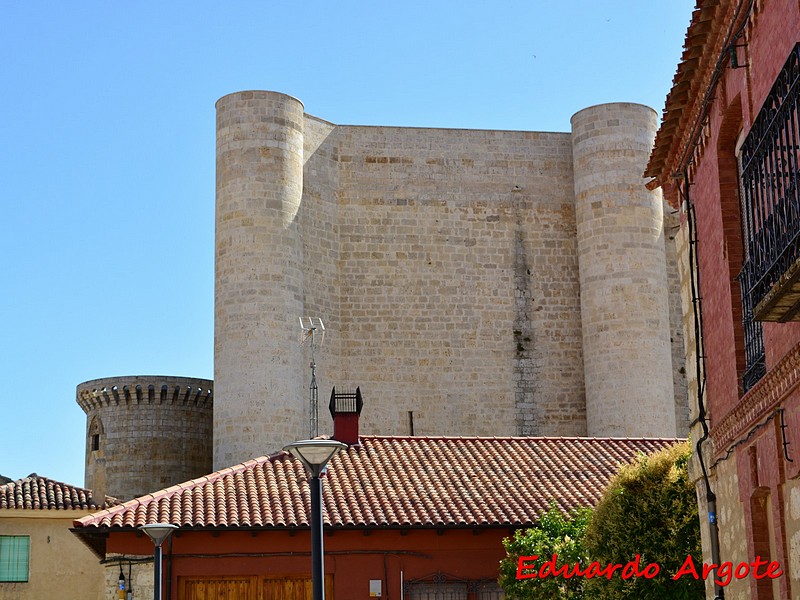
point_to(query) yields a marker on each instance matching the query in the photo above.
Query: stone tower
(472, 282)
(623, 275)
(259, 279)
(145, 433)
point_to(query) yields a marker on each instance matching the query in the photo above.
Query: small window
(14, 557)
(94, 433)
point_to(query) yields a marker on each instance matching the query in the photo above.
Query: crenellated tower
(145, 433)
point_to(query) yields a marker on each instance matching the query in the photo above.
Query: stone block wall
(679, 347)
(138, 572)
(459, 297)
(444, 264)
(792, 496)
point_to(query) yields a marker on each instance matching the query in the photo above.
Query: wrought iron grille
(440, 586)
(755, 366)
(770, 203)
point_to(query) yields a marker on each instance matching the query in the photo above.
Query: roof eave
(104, 531)
(93, 538)
(685, 95)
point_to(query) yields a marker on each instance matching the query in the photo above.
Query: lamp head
(158, 532)
(314, 454)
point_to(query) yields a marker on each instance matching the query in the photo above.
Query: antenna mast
(313, 328)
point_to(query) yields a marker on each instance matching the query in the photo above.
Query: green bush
(553, 534)
(649, 508)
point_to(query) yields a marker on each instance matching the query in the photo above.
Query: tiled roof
(705, 39)
(395, 482)
(40, 493)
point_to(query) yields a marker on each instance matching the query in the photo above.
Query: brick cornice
(759, 401)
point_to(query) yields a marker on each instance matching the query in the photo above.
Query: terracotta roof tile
(396, 482)
(40, 493)
(706, 37)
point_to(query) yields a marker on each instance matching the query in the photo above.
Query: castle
(472, 282)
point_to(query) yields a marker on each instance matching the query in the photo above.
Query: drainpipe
(711, 498)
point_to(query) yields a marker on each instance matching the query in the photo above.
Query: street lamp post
(315, 454)
(158, 532)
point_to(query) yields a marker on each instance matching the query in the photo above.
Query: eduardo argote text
(528, 568)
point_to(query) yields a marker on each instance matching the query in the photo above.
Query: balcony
(770, 213)
(770, 181)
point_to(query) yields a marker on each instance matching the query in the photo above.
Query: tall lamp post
(315, 454)
(158, 532)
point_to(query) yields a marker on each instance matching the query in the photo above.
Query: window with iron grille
(14, 557)
(440, 586)
(770, 183)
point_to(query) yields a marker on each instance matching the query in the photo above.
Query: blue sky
(107, 154)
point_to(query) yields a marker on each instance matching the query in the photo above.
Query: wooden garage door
(248, 588)
(217, 588)
(292, 588)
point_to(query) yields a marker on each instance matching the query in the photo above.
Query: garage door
(292, 588)
(217, 588)
(256, 587)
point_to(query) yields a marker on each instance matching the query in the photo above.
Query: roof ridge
(517, 438)
(42, 478)
(37, 492)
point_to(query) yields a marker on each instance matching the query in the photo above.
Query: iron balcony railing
(770, 178)
(770, 184)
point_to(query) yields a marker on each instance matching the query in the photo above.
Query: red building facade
(728, 158)
(276, 565)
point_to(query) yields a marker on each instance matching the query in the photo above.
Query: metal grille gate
(440, 586)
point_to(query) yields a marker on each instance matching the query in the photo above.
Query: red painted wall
(737, 101)
(739, 97)
(350, 556)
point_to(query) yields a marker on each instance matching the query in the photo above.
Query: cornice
(767, 394)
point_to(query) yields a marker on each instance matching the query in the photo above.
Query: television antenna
(312, 328)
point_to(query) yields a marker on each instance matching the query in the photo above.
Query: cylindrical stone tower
(145, 433)
(259, 280)
(623, 277)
